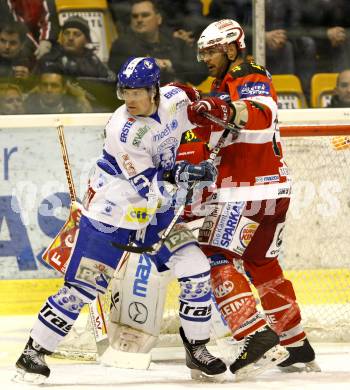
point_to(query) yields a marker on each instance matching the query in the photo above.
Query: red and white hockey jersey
(251, 167)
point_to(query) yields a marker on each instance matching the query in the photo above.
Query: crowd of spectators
(46, 67)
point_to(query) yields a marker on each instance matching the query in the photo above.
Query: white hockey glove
(43, 48)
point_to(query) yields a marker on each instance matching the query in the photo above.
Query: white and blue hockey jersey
(127, 186)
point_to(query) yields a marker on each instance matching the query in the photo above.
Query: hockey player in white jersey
(130, 199)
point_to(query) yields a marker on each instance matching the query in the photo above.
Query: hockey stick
(233, 129)
(96, 312)
(229, 129)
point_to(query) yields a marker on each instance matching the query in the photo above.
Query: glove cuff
(240, 113)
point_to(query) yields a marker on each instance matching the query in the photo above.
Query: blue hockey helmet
(139, 72)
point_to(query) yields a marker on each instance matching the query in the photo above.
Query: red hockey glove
(212, 105)
(192, 93)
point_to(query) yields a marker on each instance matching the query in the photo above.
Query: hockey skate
(261, 351)
(301, 358)
(203, 365)
(31, 365)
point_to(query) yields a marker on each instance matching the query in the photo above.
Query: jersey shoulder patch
(248, 68)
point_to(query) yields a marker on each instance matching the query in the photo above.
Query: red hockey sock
(281, 309)
(277, 299)
(235, 300)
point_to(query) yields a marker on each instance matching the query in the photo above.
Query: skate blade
(22, 376)
(201, 376)
(302, 367)
(270, 359)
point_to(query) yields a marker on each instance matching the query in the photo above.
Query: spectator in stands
(180, 16)
(41, 19)
(147, 36)
(54, 94)
(341, 95)
(73, 55)
(328, 22)
(11, 99)
(288, 51)
(192, 16)
(13, 61)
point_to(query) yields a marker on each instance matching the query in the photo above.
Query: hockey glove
(213, 105)
(191, 92)
(186, 174)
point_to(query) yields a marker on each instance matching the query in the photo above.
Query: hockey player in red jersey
(249, 207)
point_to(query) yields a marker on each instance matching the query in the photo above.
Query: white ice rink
(334, 360)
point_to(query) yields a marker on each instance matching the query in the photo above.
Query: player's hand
(186, 174)
(212, 105)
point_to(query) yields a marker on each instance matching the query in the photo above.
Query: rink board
(313, 287)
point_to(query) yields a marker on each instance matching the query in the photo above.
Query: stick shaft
(215, 151)
(67, 166)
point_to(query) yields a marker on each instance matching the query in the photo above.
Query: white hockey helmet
(219, 34)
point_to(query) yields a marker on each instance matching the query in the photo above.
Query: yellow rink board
(315, 286)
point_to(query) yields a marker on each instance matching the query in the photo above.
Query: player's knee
(262, 272)
(193, 274)
(188, 261)
(280, 289)
(88, 279)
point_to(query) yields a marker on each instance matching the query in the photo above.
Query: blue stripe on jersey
(142, 181)
(69, 314)
(50, 326)
(109, 164)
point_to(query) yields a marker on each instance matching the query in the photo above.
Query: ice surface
(334, 360)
